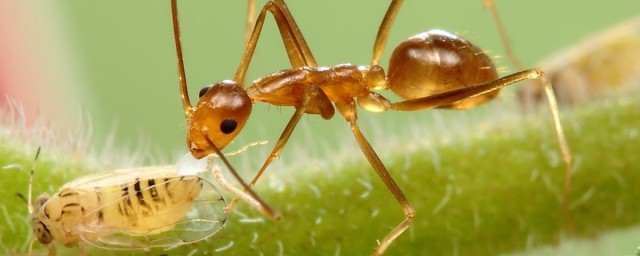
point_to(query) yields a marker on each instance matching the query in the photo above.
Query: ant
(434, 69)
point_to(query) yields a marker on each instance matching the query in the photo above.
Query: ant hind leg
(553, 106)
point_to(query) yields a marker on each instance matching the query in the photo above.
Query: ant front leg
(295, 44)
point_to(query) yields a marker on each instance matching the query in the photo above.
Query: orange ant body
(434, 69)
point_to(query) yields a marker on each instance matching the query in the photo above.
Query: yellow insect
(135, 208)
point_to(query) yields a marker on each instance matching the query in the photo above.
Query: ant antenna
(182, 75)
(30, 193)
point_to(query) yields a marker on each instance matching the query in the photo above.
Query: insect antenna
(21, 196)
(30, 189)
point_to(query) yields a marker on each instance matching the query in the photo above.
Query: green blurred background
(124, 56)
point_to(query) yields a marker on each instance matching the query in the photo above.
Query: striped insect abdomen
(147, 206)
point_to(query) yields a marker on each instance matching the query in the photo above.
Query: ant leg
(553, 105)
(313, 94)
(275, 152)
(446, 98)
(348, 111)
(383, 31)
(306, 52)
(449, 97)
(299, 55)
(297, 49)
(503, 35)
(564, 151)
(250, 23)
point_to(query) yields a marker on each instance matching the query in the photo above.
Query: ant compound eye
(228, 126)
(204, 90)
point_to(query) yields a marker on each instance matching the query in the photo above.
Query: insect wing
(150, 207)
(121, 176)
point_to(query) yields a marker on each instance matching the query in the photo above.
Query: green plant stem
(497, 194)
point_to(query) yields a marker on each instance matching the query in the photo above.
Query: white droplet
(189, 165)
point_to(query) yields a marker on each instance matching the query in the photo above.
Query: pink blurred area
(35, 69)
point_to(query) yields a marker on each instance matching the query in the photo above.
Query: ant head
(220, 114)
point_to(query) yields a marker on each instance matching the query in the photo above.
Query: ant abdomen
(437, 61)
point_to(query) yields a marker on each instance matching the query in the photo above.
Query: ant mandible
(434, 69)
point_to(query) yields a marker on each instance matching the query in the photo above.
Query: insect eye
(43, 234)
(228, 126)
(204, 90)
